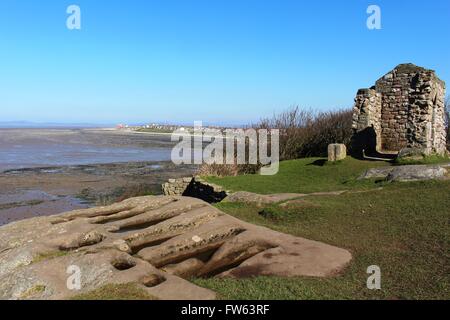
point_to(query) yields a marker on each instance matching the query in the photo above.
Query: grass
(304, 176)
(403, 228)
(49, 256)
(432, 159)
(35, 290)
(126, 291)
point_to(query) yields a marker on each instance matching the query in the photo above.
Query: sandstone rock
(379, 173)
(186, 268)
(265, 199)
(411, 154)
(337, 152)
(415, 173)
(261, 199)
(154, 241)
(407, 173)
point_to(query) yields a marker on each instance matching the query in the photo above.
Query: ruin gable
(404, 109)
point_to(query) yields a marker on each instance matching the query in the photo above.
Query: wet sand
(62, 170)
(26, 193)
(26, 148)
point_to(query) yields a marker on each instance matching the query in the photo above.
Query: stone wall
(367, 117)
(405, 109)
(176, 187)
(194, 187)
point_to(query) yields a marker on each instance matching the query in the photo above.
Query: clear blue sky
(220, 61)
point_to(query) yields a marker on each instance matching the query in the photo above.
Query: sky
(216, 61)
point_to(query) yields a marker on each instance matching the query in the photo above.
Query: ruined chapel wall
(438, 141)
(406, 108)
(367, 112)
(394, 89)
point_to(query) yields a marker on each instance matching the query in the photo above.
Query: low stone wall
(176, 187)
(194, 187)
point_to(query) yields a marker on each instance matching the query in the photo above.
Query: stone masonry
(405, 109)
(194, 187)
(176, 187)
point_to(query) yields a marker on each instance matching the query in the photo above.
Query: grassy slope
(303, 176)
(403, 228)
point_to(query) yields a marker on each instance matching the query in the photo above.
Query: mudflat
(25, 148)
(49, 171)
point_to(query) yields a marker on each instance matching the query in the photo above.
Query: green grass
(33, 291)
(49, 256)
(432, 159)
(304, 176)
(403, 228)
(127, 291)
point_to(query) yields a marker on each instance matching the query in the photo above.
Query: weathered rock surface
(264, 199)
(376, 173)
(411, 154)
(415, 173)
(261, 199)
(155, 241)
(337, 152)
(408, 173)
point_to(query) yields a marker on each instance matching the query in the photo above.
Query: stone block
(336, 152)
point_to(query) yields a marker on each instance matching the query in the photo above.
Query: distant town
(168, 128)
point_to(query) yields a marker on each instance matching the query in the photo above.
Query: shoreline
(49, 171)
(29, 148)
(47, 190)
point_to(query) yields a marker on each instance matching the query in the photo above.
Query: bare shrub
(305, 133)
(223, 170)
(218, 170)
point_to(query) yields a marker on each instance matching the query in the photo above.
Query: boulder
(261, 199)
(408, 173)
(416, 173)
(337, 152)
(155, 242)
(411, 154)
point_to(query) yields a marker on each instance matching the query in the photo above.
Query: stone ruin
(194, 187)
(404, 109)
